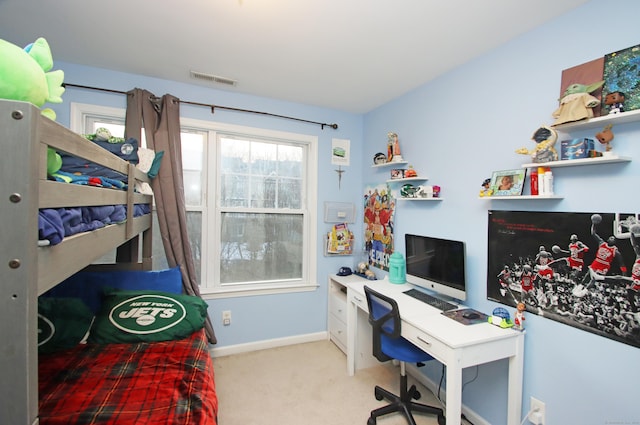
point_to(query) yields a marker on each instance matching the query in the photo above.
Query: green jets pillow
(147, 316)
(62, 323)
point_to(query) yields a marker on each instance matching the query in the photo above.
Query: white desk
(452, 343)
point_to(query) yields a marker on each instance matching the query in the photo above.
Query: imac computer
(437, 265)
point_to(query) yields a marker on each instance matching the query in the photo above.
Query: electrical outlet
(226, 317)
(537, 414)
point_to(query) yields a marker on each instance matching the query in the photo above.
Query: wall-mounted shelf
(408, 180)
(418, 199)
(520, 197)
(598, 122)
(583, 161)
(389, 164)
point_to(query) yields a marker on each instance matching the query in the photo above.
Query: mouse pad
(459, 316)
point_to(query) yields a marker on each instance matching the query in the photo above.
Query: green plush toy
(25, 76)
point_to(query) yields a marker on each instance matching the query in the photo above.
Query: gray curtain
(160, 118)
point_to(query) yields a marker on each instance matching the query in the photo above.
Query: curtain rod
(213, 107)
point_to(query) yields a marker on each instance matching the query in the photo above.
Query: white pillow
(145, 160)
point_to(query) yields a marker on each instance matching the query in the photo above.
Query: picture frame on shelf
(397, 173)
(508, 182)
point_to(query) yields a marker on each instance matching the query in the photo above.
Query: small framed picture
(508, 182)
(397, 173)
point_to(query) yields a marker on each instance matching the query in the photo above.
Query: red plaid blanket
(168, 382)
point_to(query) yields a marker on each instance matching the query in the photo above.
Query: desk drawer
(338, 307)
(425, 341)
(359, 299)
(338, 332)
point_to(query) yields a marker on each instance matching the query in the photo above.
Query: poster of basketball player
(379, 207)
(580, 269)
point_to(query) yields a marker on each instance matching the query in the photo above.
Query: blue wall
(457, 130)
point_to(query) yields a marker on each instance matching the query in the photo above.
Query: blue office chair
(384, 316)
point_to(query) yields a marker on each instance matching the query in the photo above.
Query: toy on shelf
(615, 102)
(379, 158)
(577, 103)
(486, 188)
(421, 191)
(25, 76)
(545, 151)
(397, 173)
(393, 148)
(408, 191)
(605, 137)
(410, 172)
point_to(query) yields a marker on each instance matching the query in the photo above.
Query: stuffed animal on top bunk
(25, 76)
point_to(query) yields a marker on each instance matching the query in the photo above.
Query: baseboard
(270, 343)
(471, 415)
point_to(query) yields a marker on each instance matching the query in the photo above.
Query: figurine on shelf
(519, 318)
(615, 102)
(410, 172)
(393, 148)
(379, 158)
(605, 137)
(486, 188)
(545, 151)
(577, 103)
(424, 191)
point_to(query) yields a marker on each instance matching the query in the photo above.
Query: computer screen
(436, 264)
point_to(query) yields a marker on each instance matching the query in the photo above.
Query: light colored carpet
(305, 384)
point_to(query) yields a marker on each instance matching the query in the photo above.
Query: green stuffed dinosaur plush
(25, 76)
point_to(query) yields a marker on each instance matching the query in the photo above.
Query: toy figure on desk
(362, 270)
(615, 102)
(519, 318)
(501, 318)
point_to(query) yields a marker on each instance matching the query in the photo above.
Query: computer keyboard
(431, 300)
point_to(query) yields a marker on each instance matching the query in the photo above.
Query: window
(251, 200)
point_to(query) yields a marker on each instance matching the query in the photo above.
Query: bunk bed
(30, 270)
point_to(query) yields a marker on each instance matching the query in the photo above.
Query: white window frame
(209, 278)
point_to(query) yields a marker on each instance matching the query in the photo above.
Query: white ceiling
(351, 55)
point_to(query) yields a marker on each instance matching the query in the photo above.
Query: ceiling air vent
(213, 78)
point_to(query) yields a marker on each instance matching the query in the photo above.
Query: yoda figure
(577, 103)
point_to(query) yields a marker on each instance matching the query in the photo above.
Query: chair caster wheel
(417, 395)
(378, 395)
(441, 420)
(371, 421)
